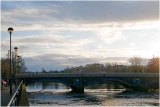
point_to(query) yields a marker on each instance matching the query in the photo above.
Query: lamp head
(15, 48)
(10, 30)
(18, 57)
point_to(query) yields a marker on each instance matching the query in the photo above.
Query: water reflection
(57, 94)
(47, 86)
(108, 85)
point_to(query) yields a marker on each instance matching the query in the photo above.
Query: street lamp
(15, 48)
(16, 54)
(10, 30)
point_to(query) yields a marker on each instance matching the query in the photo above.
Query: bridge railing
(47, 75)
(16, 97)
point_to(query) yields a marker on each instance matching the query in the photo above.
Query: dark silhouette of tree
(5, 71)
(135, 64)
(21, 67)
(153, 64)
(17, 66)
(43, 70)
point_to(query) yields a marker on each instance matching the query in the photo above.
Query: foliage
(153, 65)
(108, 67)
(17, 66)
(135, 64)
(5, 71)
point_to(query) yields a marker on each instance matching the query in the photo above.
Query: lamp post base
(10, 84)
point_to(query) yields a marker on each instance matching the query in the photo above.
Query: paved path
(5, 95)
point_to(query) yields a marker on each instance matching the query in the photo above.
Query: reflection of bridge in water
(78, 81)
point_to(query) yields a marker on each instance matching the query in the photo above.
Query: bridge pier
(143, 89)
(78, 89)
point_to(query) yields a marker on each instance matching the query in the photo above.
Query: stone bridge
(78, 81)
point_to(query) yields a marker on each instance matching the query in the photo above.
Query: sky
(53, 35)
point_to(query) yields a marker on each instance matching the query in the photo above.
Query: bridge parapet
(39, 75)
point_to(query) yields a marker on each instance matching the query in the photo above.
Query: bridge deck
(41, 75)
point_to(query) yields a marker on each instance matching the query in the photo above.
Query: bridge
(78, 81)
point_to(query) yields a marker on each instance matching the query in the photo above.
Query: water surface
(57, 94)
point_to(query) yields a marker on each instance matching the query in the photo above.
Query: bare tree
(135, 63)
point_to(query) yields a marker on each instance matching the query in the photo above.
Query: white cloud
(46, 40)
(109, 37)
(67, 15)
(132, 44)
(45, 43)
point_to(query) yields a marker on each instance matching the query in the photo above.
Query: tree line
(135, 67)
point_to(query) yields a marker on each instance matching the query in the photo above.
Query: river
(57, 94)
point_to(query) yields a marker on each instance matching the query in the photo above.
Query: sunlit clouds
(77, 33)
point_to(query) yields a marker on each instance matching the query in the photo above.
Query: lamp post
(10, 30)
(18, 61)
(16, 56)
(15, 48)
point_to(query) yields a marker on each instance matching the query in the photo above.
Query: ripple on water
(91, 97)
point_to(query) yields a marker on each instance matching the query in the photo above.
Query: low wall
(24, 97)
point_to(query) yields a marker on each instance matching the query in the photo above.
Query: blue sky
(55, 34)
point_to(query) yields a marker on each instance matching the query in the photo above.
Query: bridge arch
(32, 81)
(124, 82)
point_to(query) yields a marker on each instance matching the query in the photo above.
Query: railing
(51, 75)
(16, 97)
